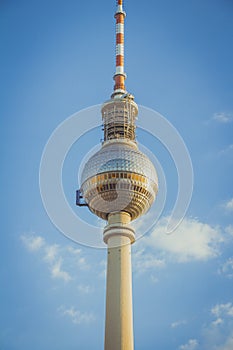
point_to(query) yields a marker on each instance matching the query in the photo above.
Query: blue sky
(57, 57)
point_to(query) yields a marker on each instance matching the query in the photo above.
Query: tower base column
(119, 312)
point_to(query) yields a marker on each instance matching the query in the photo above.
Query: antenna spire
(119, 76)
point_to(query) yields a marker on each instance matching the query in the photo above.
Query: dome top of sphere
(119, 156)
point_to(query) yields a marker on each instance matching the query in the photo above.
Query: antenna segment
(120, 75)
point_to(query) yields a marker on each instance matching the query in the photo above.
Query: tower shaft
(119, 311)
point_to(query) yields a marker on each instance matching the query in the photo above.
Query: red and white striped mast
(119, 76)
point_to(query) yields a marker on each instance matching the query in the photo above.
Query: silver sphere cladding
(119, 178)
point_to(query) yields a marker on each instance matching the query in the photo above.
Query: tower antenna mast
(119, 75)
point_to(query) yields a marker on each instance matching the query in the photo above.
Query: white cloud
(226, 151)
(218, 335)
(217, 322)
(228, 344)
(57, 272)
(178, 323)
(191, 345)
(223, 117)
(76, 316)
(222, 310)
(192, 240)
(51, 252)
(55, 256)
(103, 267)
(84, 289)
(227, 268)
(229, 230)
(228, 205)
(79, 260)
(32, 242)
(143, 261)
(75, 251)
(82, 264)
(154, 279)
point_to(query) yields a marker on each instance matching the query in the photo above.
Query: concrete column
(119, 312)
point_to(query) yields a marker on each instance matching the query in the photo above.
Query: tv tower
(118, 184)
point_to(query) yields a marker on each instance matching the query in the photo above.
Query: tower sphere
(119, 178)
